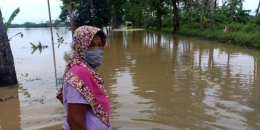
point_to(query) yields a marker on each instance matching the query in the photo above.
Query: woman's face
(96, 43)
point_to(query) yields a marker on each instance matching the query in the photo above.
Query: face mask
(93, 57)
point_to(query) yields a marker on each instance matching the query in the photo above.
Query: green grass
(244, 35)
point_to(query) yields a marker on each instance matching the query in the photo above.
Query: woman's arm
(76, 114)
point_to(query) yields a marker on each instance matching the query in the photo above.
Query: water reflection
(10, 109)
(38, 76)
(124, 88)
(154, 81)
(186, 83)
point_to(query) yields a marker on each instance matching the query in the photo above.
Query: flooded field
(155, 82)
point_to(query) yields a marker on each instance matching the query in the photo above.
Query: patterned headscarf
(82, 38)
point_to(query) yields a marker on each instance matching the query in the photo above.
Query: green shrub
(255, 39)
(257, 20)
(241, 38)
(249, 28)
(166, 30)
(236, 26)
(244, 35)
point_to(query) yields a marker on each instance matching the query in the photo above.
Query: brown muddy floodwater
(155, 82)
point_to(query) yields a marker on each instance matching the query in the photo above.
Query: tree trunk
(158, 13)
(212, 14)
(202, 14)
(149, 19)
(257, 10)
(232, 10)
(92, 12)
(190, 13)
(114, 22)
(159, 21)
(176, 23)
(216, 2)
(7, 68)
(113, 17)
(72, 21)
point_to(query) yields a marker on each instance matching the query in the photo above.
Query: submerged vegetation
(20, 33)
(38, 47)
(59, 39)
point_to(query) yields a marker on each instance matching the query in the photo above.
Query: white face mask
(93, 57)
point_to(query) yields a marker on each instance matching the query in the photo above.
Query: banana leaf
(8, 23)
(34, 47)
(34, 50)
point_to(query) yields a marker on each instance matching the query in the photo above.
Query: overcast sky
(30, 10)
(37, 10)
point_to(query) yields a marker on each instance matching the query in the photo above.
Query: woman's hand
(60, 97)
(76, 115)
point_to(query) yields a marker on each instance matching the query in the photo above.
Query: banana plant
(37, 47)
(59, 39)
(241, 15)
(14, 14)
(8, 23)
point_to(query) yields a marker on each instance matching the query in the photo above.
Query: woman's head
(97, 41)
(87, 37)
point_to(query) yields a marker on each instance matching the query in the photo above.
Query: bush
(255, 40)
(244, 35)
(166, 30)
(249, 28)
(257, 21)
(236, 26)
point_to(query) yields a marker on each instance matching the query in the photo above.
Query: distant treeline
(56, 23)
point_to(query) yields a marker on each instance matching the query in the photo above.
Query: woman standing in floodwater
(82, 93)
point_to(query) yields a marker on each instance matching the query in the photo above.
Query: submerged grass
(244, 35)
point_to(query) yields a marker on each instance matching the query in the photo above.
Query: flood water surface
(154, 81)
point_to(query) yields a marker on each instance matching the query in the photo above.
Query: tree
(241, 16)
(57, 23)
(212, 14)
(70, 9)
(202, 14)
(159, 12)
(257, 9)
(7, 68)
(232, 9)
(86, 12)
(235, 4)
(176, 16)
(67, 10)
(101, 13)
(135, 11)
